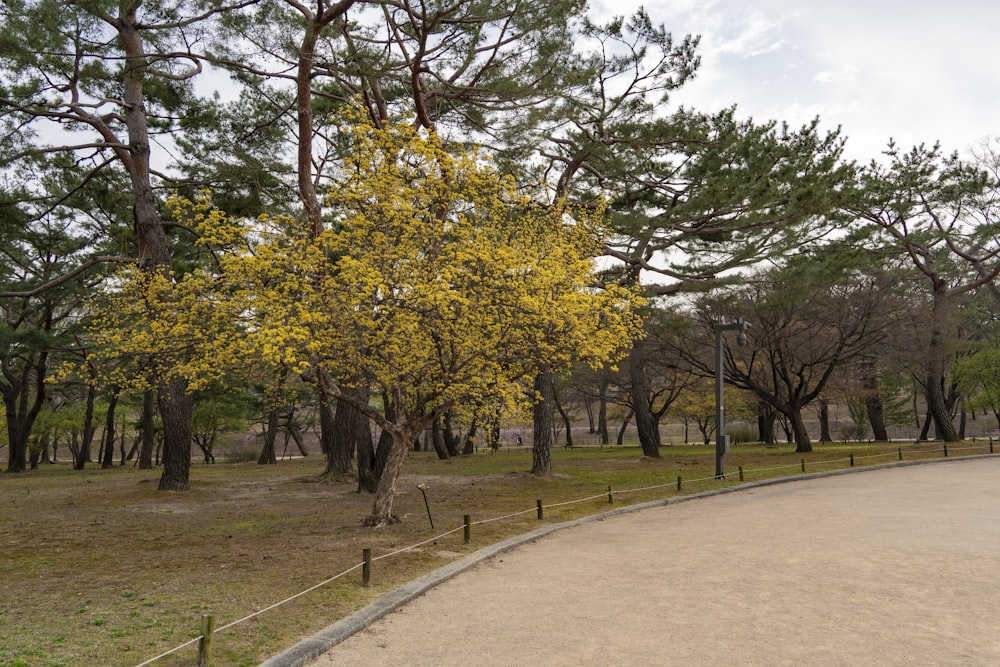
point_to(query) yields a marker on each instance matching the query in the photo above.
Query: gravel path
(897, 566)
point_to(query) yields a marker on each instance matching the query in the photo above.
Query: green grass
(100, 568)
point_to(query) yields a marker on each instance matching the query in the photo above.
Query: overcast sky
(918, 71)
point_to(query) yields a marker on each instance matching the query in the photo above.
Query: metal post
(720, 412)
(721, 441)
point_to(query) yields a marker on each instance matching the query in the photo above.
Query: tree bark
(437, 439)
(541, 447)
(342, 438)
(267, 455)
(765, 422)
(874, 409)
(107, 461)
(644, 422)
(935, 376)
(824, 421)
(470, 438)
(327, 427)
(385, 491)
(375, 460)
(621, 431)
(802, 443)
(176, 409)
(83, 454)
(565, 417)
(450, 441)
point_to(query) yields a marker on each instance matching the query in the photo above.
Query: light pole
(721, 439)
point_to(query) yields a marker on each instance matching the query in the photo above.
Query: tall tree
(940, 213)
(109, 76)
(693, 195)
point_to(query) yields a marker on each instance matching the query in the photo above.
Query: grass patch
(100, 568)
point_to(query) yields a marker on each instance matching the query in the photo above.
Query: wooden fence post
(205, 642)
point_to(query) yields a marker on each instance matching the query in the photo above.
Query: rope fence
(204, 640)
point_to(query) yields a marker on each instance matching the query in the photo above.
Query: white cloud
(916, 70)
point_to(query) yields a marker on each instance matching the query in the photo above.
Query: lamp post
(721, 439)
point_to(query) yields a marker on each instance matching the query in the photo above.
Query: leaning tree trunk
(621, 431)
(541, 446)
(644, 421)
(565, 417)
(385, 492)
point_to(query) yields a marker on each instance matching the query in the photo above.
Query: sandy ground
(885, 567)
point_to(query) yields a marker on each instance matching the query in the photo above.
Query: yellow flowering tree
(439, 284)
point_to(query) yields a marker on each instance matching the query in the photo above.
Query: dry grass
(99, 568)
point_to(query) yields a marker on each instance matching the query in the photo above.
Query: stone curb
(309, 649)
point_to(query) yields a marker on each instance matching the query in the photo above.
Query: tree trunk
(176, 411)
(602, 413)
(874, 408)
(107, 461)
(937, 406)
(565, 418)
(83, 455)
(802, 443)
(824, 421)
(541, 446)
(267, 455)
(765, 422)
(23, 398)
(377, 458)
(621, 431)
(296, 433)
(437, 439)
(470, 438)
(926, 428)
(450, 441)
(327, 426)
(17, 438)
(385, 492)
(342, 438)
(644, 422)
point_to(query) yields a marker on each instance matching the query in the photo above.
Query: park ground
(98, 567)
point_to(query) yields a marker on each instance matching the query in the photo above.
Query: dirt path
(887, 567)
